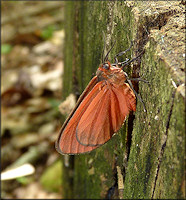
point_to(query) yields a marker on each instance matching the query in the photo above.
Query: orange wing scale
(66, 142)
(105, 115)
(97, 116)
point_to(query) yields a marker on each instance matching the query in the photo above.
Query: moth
(100, 110)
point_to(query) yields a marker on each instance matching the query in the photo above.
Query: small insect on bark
(100, 110)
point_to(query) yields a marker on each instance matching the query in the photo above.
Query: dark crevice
(112, 192)
(164, 144)
(113, 189)
(75, 82)
(129, 134)
(135, 74)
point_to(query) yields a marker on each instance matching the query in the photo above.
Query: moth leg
(139, 79)
(121, 53)
(127, 62)
(120, 63)
(138, 96)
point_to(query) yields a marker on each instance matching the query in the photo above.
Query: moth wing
(67, 142)
(105, 115)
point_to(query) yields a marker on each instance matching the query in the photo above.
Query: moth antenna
(106, 57)
(103, 47)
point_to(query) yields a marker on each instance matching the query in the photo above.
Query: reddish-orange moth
(100, 110)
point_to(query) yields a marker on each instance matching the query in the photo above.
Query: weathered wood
(153, 165)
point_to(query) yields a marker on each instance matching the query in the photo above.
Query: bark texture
(145, 159)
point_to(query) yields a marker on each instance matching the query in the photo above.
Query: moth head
(105, 67)
(103, 70)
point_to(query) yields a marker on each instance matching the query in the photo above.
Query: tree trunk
(145, 159)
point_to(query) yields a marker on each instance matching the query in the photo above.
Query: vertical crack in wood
(135, 73)
(112, 191)
(75, 82)
(164, 144)
(129, 134)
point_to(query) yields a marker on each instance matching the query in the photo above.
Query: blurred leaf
(54, 102)
(25, 180)
(47, 33)
(6, 48)
(51, 179)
